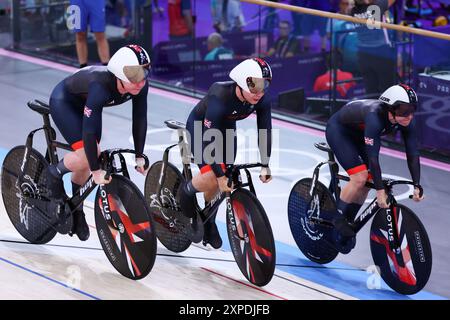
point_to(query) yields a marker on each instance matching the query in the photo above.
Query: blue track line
(48, 278)
(335, 275)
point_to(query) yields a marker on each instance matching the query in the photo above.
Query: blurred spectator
(325, 82)
(376, 53)
(117, 13)
(312, 23)
(92, 13)
(286, 45)
(234, 17)
(399, 11)
(272, 19)
(346, 6)
(216, 51)
(122, 12)
(335, 5)
(297, 17)
(217, 14)
(157, 8)
(32, 4)
(181, 21)
(344, 38)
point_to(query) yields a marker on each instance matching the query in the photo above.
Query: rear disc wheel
(170, 224)
(313, 240)
(28, 221)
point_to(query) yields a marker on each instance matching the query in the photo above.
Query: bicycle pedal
(344, 246)
(64, 219)
(343, 227)
(195, 232)
(214, 244)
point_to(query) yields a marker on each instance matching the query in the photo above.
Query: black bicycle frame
(109, 164)
(233, 175)
(371, 210)
(83, 192)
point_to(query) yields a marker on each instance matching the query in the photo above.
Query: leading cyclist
(76, 106)
(354, 134)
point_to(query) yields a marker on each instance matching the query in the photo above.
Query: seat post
(50, 137)
(334, 167)
(334, 170)
(183, 144)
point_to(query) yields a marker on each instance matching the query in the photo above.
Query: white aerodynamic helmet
(130, 64)
(400, 99)
(252, 75)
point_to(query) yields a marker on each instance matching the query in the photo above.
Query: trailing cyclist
(224, 105)
(76, 106)
(354, 134)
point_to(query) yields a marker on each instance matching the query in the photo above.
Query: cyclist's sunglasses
(137, 73)
(258, 85)
(405, 110)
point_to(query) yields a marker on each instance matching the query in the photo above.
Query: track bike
(399, 243)
(124, 225)
(249, 231)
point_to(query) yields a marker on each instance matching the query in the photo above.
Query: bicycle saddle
(322, 146)
(39, 106)
(173, 124)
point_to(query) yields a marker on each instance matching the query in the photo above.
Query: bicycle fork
(111, 220)
(393, 231)
(238, 232)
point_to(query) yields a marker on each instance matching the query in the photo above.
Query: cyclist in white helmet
(354, 134)
(76, 106)
(224, 104)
